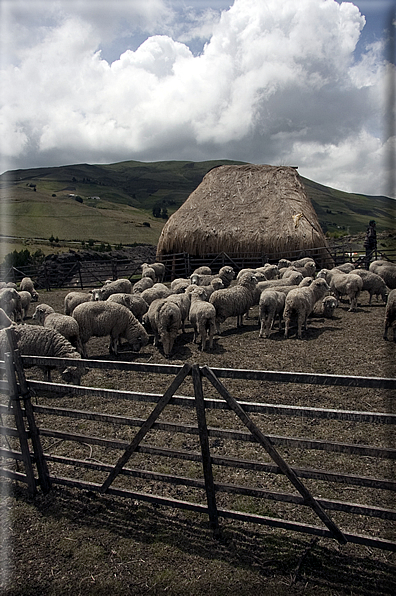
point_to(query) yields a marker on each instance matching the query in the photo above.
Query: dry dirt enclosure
(79, 542)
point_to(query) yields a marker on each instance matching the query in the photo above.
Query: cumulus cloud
(274, 83)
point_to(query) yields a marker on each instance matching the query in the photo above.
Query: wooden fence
(30, 436)
(90, 274)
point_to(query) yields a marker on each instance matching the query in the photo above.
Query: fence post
(80, 276)
(43, 473)
(17, 410)
(205, 449)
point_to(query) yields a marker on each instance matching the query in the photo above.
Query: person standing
(370, 242)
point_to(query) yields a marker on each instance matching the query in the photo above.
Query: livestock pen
(205, 451)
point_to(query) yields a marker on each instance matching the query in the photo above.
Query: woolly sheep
(164, 319)
(5, 320)
(387, 271)
(259, 275)
(202, 318)
(346, 267)
(217, 284)
(226, 274)
(270, 271)
(183, 301)
(98, 319)
(179, 285)
(308, 270)
(271, 305)
(11, 303)
(325, 308)
(159, 270)
(142, 284)
(373, 284)
(11, 284)
(300, 302)
(134, 302)
(234, 301)
(284, 263)
(157, 291)
(27, 285)
(148, 271)
(390, 315)
(73, 299)
(33, 340)
(343, 284)
(114, 287)
(294, 279)
(203, 270)
(67, 326)
(26, 299)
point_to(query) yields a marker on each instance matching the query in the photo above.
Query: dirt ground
(77, 542)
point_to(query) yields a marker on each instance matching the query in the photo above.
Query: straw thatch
(244, 209)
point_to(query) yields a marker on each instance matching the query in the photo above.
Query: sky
(307, 83)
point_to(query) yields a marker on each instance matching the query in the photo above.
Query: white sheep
(282, 263)
(142, 284)
(308, 270)
(390, 315)
(73, 299)
(217, 284)
(234, 301)
(386, 270)
(271, 305)
(202, 318)
(203, 270)
(343, 284)
(159, 269)
(98, 319)
(258, 273)
(270, 271)
(300, 302)
(134, 302)
(373, 284)
(33, 340)
(325, 308)
(27, 285)
(167, 323)
(114, 287)
(148, 271)
(179, 285)
(26, 299)
(183, 301)
(226, 273)
(294, 279)
(11, 303)
(67, 326)
(157, 291)
(346, 267)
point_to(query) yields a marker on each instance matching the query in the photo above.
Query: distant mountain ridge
(138, 190)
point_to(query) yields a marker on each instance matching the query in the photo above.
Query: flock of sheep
(287, 293)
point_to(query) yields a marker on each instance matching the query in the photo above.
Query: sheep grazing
(67, 326)
(183, 301)
(300, 302)
(386, 270)
(33, 340)
(234, 301)
(325, 308)
(98, 319)
(157, 291)
(11, 303)
(202, 318)
(271, 305)
(142, 284)
(226, 274)
(73, 299)
(390, 315)
(343, 284)
(26, 299)
(164, 320)
(373, 284)
(114, 287)
(134, 302)
(27, 285)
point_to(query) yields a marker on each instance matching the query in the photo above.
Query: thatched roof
(244, 209)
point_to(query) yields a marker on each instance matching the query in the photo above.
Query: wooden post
(205, 450)
(146, 426)
(43, 473)
(272, 452)
(17, 410)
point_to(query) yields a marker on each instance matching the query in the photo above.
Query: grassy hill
(114, 203)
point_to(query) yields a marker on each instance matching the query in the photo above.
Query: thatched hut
(245, 209)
